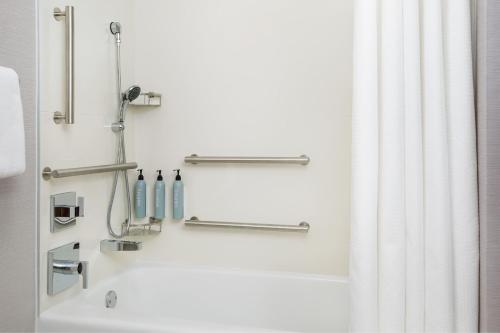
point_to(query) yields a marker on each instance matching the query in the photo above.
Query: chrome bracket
(64, 210)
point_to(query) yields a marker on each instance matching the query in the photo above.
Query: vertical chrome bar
(70, 77)
(68, 15)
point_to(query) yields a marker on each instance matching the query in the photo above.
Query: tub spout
(119, 245)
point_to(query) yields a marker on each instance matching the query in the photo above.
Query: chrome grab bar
(301, 227)
(48, 173)
(69, 116)
(195, 159)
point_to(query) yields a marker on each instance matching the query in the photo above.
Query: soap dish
(144, 229)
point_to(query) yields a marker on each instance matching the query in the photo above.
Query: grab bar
(48, 173)
(301, 227)
(68, 16)
(195, 159)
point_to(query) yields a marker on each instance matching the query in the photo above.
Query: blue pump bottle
(140, 196)
(178, 197)
(159, 197)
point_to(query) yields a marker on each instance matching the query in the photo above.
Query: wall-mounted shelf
(147, 99)
(153, 227)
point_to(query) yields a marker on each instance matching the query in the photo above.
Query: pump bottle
(140, 196)
(178, 197)
(159, 197)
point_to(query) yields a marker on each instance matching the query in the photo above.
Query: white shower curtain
(414, 252)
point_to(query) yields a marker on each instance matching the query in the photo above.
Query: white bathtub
(156, 298)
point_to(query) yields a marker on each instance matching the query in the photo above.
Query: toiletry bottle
(178, 197)
(140, 196)
(159, 197)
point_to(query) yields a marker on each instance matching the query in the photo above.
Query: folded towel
(12, 155)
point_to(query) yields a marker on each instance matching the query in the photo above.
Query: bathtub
(159, 298)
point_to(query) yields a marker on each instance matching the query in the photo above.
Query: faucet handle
(83, 270)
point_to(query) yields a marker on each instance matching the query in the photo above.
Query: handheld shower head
(128, 96)
(132, 93)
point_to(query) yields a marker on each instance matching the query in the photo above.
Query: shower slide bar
(48, 173)
(67, 15)
(195, 222)
(195, 159)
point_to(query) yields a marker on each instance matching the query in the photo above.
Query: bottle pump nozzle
(178, 176)
(160, 177)
(141, 177)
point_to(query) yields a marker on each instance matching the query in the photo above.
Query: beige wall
(246, 78)
(268, 77)
(489, 161)
(18, 194)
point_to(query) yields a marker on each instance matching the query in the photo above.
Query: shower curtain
(414, 233)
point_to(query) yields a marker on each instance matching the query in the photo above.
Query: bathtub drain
(110, 299)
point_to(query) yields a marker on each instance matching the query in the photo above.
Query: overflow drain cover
(111, 299)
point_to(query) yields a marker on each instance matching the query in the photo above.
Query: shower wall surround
(249, 78)
(88, 141)
(238, 78)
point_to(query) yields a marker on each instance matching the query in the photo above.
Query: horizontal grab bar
(194, 159)
(301, 227)
(48, 173)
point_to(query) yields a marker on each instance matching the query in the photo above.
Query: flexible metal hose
(120, 157)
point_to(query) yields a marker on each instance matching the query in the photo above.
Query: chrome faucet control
(65, 208)
(64, 267)
(71, 267)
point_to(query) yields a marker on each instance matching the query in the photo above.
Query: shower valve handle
(83, 270)
(70, 267)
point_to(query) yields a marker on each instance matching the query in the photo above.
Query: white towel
(12, 151)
